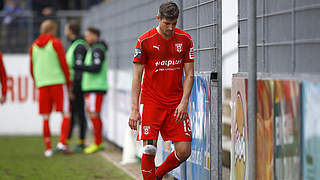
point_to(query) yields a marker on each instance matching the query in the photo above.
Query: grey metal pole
(252, 88)
(215, 150)
(216, 102)
(183, 169)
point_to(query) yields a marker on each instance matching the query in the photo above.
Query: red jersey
(163, 60)
(3, 78)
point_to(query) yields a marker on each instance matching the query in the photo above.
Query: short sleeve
(189, 56)
(139, 55)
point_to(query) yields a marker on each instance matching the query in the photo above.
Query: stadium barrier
(19, 115)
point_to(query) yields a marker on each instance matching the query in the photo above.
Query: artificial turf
(21, 157)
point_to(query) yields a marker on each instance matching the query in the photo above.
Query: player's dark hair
(94, 31)
(168, 10)
(74, 26)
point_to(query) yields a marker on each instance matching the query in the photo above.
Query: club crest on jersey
(178, 47)
(146, 130)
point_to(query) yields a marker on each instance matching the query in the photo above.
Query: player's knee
(93, 114)
(45, 116)
(150, 149)
(66, 114)
(184, 154)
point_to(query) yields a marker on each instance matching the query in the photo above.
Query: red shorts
(54, 95)
(156, 119)
(94, 101)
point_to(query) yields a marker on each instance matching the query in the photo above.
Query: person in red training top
(50, 73)
(163, 53)
(3, 81)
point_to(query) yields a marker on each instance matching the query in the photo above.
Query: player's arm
(182, 109)
(3, 79)
(135, 117)
(98, 57)
(79, 55)
(31, 65)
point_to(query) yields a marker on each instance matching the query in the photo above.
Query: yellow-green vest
(95, 81)
(46, 66)
(70, 55)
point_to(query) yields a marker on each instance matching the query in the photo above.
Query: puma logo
(156, 47)
(146, 171)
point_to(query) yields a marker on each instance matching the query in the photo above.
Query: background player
(75, 57)
(50, 73)
(3, 81)
(94, 83)
(162, 53)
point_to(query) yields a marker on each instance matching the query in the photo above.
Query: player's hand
(3, 100)
(71, 96)
(70, 93)
(181, 112)
(134, 120)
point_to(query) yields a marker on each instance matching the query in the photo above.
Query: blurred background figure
(78, 4)
(12, 24)
(42, 10)
(3, 81)
(1, 4)
(50, 73)
(75, 57)
(94, 83)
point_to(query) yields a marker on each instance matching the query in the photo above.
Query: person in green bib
(94, 84)
(50, 73)
(75, 57)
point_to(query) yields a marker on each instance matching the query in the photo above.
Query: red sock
(148, 167)
(46, 134)
(65, 128)
(97, 129)
(170, 163)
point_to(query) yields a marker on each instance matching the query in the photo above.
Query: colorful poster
(287, 131)
(239, 129)
(311, 130)
(265, 113)
(198, 165)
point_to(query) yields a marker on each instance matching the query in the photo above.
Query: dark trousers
(78, 113)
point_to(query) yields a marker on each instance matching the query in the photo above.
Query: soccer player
(163, 53)
(3, 81)
(50, 73)
(94, 84)
(75, 57)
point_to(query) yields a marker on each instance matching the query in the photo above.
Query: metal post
(183, 168)
(293, 36)
(216, 101)
(215, 150)
(252, 87)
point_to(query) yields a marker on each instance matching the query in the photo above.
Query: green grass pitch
(21, 157)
